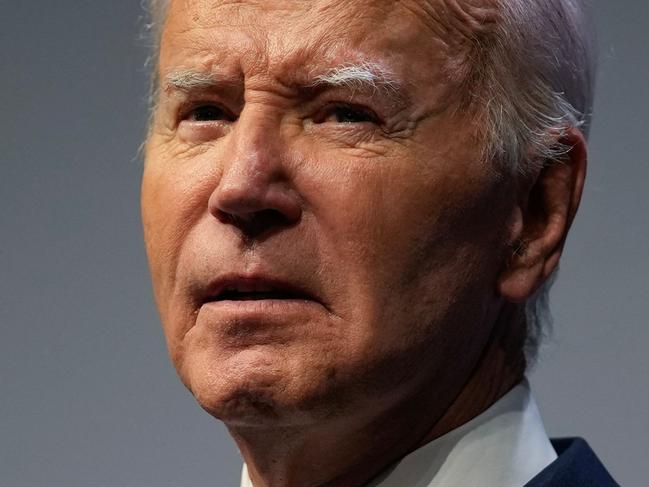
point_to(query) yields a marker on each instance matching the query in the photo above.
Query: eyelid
(332, 105)
(227, 114)
(186, 107)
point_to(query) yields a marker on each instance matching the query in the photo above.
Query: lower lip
(262, 306)
(259, 321)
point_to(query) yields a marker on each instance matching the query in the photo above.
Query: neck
(349, 452)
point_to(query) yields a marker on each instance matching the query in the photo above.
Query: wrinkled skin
(395, 226)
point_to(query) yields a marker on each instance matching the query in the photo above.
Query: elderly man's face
(318, 243)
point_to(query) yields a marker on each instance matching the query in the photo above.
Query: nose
(254, 193)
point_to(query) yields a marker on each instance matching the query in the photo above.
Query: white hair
(157, 10)
(357, 75)
(530, 78)
(533, 79)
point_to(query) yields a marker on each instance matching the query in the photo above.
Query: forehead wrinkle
(452, 24)
(456, 21)
(208, 12)
(322, 64)
(460, 27)
(193, 55)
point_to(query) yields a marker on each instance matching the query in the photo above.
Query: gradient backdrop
(88, 397)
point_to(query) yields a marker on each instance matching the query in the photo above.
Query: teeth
(254, 290)
(249, 288)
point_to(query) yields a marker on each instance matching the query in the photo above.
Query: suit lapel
(576, 466)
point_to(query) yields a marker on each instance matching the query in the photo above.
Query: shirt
(505, 446)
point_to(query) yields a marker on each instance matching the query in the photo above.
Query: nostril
(254, 224)
(271, 215)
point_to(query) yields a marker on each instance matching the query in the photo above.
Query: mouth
(256, 289)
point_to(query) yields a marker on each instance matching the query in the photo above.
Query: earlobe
(541, 224)
(523, 267)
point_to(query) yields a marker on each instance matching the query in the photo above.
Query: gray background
(88, 397)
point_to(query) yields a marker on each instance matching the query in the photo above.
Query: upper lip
(258, 283)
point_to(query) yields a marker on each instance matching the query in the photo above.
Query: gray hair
(529, 80)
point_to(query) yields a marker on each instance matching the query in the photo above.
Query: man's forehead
(466, 18)
(285, 34)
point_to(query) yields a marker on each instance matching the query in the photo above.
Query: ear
(542, 218)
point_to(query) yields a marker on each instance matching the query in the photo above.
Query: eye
(343, 113)
(209, 113)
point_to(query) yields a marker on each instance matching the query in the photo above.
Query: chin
(255, 372)
(253, 387)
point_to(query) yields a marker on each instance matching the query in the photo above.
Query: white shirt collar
(505, 446)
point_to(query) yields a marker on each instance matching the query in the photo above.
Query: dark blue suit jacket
(577, 466)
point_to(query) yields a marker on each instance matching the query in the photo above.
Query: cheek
(173, 197)
(375, 215)
(397, 230)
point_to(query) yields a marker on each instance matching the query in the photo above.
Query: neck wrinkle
(497, 371)
(501, 367)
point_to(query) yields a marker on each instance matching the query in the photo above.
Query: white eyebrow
(186, 80)
(358, 76)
